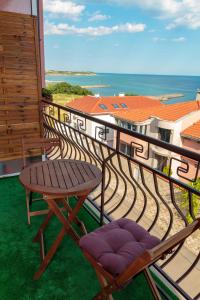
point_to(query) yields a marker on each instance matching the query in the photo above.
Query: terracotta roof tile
(192, 131)
(90, 104)
(168, 112)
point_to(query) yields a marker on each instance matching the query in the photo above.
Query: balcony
(130, 188)
(69, 276)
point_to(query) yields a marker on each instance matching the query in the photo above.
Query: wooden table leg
(50, 254)
(76, 220)
(43, 226)
(72, 214)
(67, 229)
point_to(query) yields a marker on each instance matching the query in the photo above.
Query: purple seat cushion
(117, 244)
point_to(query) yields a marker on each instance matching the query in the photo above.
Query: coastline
(177, 89)
(166, 97)
(95, 86)
(70, 74)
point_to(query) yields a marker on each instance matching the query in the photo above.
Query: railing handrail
(173, 148)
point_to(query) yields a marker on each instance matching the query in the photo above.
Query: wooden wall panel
(20, 82)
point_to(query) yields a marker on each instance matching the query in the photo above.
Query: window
(105, 131)
(129, 126)
(123, 147)
(164, 134)
(115, 105)
(118, 122)
(143, 129)
(161, 162)
(103, 106)
(124, 105)
(126, 149)
(134, 127)
(123, 124)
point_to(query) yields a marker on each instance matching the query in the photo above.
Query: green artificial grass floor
(69, 276)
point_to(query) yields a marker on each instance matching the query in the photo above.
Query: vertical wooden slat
(20, 81)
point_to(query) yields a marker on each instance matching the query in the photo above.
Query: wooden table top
(61, 177)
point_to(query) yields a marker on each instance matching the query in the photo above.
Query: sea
(149, 85)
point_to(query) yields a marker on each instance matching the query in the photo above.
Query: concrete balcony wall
(18, 6)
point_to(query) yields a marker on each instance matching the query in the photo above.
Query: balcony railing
(133, 187)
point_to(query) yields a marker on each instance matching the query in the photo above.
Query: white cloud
(169, 6)
(65, 8)
(65, 29)
(175, 40)
(179, 39)
(179, 12)
(157, 39)
(97, 16)
(190, 20)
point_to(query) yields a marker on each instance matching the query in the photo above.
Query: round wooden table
(56, 180)
(61, 177)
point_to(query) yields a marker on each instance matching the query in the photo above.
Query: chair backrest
(160, 251)
(39, 146)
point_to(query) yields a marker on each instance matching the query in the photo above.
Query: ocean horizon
(140, 84)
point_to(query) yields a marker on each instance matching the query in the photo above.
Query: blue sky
(123, 36)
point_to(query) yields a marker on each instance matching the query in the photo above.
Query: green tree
(46, 93)
(166, 170)
(131, 94)
(195, 200)
(67, 88)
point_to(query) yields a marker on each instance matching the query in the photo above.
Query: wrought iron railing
(133, 187)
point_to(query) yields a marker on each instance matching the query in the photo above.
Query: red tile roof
(192, 131)
(168, 112)
(90, 104)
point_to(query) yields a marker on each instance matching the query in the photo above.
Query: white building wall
(91, 126)
(152, 130)
(190, 119)
(110, 135)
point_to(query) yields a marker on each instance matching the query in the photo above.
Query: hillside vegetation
(63, 99)
(63, 92)
(69, 73)
(67, 88)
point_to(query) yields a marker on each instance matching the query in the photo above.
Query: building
(140, 114)
(104, 108)
(164, 122)
(191, 141)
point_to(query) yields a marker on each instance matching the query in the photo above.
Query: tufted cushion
(117, 244)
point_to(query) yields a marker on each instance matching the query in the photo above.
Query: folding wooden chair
(121, 249)
(33, 148)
